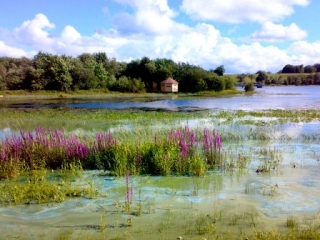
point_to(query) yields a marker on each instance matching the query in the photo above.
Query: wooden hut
(169, 85)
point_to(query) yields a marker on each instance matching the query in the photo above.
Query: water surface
(173, 206)
(289, 97)
(278, 97)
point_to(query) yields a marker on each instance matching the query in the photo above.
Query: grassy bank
(22, 94)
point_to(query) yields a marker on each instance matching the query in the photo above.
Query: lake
(278, 97)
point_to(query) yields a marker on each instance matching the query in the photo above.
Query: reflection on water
(6, 132)
(266, 98)
(283, 97)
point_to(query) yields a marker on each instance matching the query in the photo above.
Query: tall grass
(179, 151)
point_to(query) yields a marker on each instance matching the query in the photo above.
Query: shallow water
(173, 206)
(224, 203)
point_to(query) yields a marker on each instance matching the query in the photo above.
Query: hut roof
(170, 80)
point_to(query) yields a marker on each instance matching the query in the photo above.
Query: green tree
(310, 69)
(3, 74)
(241, 78)
(215, 82)
(13, 72)
(229, 82)
(262, 77)
(89, 71)
(33, 80)
(83, 76)
(317, 66)
(191, 78)
(55, 74)
(249, 87)
(101, 76)
(219, 70)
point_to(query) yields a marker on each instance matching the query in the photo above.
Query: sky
(244, 36)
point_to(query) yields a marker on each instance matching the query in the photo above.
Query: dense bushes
(96, 71)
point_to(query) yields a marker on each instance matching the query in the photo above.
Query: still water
(283, 97)
(291, 97)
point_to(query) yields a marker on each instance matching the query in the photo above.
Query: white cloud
(70, 34)
(253, 57)
(150, 17)
(9, 51)
(201, 41)
(271, 32)
(201, 45)
(305, 53)
(34, 32)
(232, 11)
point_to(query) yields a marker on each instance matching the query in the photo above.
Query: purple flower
(184, 148)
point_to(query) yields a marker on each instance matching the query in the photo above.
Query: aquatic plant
(9, 167)
(129, 194)
(43, 149)
(98, 119)
(36, 188)
(181, 151)
(212, 145)
(292, 222)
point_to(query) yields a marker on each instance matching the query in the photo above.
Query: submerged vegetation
(104, 119)
(42, 186)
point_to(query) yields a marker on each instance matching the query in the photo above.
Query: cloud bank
(150, 29)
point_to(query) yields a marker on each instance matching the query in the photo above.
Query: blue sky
(243, 35)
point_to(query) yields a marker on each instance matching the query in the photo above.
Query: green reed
(37, 187)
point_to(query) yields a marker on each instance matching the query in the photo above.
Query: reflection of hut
(169, 85)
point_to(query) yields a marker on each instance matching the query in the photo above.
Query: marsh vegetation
(107, 174)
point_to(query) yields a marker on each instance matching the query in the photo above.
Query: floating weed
(139, 205)
(204, 225)
(261, 188)
(37, 189)
(70, 171)
(317, 215)
(129, 194)
(65, 234)
(10, 169)
(292, 222)
(30, 192)
(102, 223)
(268, 235)
(272, 154)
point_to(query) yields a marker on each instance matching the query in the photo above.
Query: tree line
(301, 69)
(96, 71)
(300, 76)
